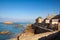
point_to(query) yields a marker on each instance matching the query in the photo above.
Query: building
(54, 22)
(44, 25)
(47, 20)
(39, 20)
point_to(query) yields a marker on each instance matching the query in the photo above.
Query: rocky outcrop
(20, 25)
(5, 32)
(8, 22)
(35, 37)
(28, 34)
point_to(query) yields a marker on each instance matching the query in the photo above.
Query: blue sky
(27, 10)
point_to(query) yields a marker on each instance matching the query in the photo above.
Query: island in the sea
(8, 22)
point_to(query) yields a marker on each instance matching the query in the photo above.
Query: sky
(27, 10)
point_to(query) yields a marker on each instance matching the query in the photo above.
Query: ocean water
(13, 29)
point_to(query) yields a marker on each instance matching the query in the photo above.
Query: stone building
(39, 20)
(49, 23)
(47, 20)
(54, 22)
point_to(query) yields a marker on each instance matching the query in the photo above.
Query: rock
(8, 22)
(28, 34)
(20, 25)
(29, 29)
(35, 37)
(5, 32)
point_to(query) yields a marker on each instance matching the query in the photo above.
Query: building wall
(40, 20)
(47, 21)
(55, 21)
(58, 26)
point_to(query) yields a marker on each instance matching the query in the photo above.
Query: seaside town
(29, 19)
(42, 29)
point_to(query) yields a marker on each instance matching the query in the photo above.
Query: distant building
(39, 20)
(50, 22)
(54, 22)
(47, 20)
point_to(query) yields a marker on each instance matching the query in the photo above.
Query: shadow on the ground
(55, 36)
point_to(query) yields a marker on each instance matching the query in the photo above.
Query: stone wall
(58, 26)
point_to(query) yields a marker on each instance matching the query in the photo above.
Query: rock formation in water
(5, 32)
(8, 22)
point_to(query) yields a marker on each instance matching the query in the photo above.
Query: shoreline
(28, 34)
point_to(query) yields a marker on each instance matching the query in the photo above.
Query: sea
(13, 29)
